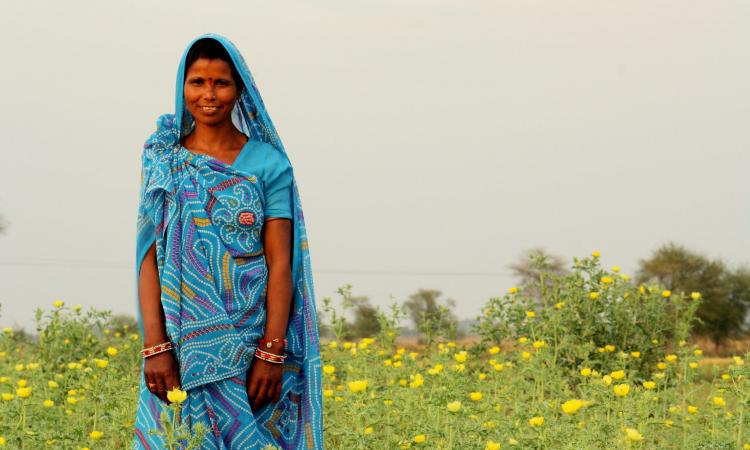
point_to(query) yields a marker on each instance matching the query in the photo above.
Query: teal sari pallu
(205, 218)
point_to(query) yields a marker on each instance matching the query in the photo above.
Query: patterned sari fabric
(205, 218)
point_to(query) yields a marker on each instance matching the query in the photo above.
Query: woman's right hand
(162, 373)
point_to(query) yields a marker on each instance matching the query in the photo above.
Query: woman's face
(210, 91)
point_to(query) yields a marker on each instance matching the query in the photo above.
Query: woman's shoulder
(263, 156)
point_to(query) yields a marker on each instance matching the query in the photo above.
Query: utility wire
(99, 264)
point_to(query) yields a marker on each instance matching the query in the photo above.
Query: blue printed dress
(205, 219)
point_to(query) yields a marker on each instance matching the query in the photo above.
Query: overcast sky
(432, 141)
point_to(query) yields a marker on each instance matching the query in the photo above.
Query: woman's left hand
(263, 383)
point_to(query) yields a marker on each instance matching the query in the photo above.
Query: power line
(101, 264)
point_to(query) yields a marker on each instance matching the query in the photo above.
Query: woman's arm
(264, 379)
(161, 371)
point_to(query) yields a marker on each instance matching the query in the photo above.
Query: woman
(225, 297)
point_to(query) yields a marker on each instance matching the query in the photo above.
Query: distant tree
(431, 318)
(531, 266)
(726, 294)
(365, 322)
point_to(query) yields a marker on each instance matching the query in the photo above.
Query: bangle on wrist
(156, 349)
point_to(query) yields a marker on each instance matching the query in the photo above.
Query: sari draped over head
(205, 218)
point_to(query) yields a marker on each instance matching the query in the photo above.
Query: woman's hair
(211, 49)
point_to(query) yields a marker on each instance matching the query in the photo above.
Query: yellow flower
(726, 376)
(635, 354)
(72, 400)
(58, 303)
(695, 295)
(692, 409)
(661, 366)
(19, 367)
(596, 254)
(111, 351)
(536, 421)
(606, 379)
(698, 352)
(492, 445)
(460, 356)
(22, 383)
(585, 372)
(559, 305)
(660, 375)
(693, 365)
(649, 385)
(671, 358)
(96, 434)
(8, 331)
(523, 340)
(525, 355)
(329, 369)
(7, 397)
(738, 360)
(23, 392)
(512, 290)
(494, 350)
(476, 396)
(633, 435)
(482, 376)
(101, 363)
(617, 374)
(176, 395)
(593, 295)
(539, 344)
(719, 401)
(666, 294)
(2, 440)
(571, 406)
(357, 386)
(606, 280)
(77, 308)
(417, 380)
(454, 406)
(615, 269)
(333, 344)
(610, 348)
(368, 430)
(621, 390)
(48, 403)
(420, 438)
(328, 393)
(530, 314)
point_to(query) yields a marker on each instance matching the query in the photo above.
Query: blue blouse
(275, 174)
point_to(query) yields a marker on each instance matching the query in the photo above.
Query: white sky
(427, 136)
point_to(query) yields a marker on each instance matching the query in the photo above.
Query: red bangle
(156, 349)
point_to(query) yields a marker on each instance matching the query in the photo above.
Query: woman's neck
(214, 139)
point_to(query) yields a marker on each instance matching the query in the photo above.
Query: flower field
(594, 363)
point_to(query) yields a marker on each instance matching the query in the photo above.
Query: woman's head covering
(174, 181)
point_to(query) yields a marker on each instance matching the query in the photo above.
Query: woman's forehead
(206, 66)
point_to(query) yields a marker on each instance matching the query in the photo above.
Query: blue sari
(206, 218)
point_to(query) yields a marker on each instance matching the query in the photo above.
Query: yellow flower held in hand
(176, 395)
